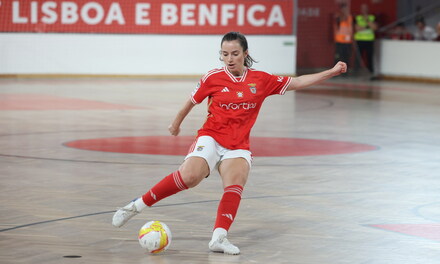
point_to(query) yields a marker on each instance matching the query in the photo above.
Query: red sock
(168, 186)
(228, 207)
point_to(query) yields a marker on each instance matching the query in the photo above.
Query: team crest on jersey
(200, 148)
(240, 94)
(253, 87)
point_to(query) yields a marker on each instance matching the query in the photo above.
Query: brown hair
(230, 36)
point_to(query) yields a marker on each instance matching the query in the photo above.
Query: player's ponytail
(230, 36)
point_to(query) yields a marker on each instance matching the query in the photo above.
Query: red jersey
(234, 103)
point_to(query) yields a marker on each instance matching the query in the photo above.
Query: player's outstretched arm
(174, 128)
(307, 80)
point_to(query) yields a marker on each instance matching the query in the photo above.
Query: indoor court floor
(345, 172)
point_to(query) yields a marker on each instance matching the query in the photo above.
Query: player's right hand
(339, 68)
(174, 130)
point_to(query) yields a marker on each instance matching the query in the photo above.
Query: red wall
(314, 29)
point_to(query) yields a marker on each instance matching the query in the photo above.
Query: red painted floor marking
(429, 231)
(49, 102)
(260, 146)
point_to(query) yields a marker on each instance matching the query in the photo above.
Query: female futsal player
(235, 94)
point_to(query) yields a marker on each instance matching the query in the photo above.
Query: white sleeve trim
(193, 100)
(283, 90)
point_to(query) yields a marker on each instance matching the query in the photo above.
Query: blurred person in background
(365, 27)
(399, 32)
(438, 32)
(343, 34)
(423, 31)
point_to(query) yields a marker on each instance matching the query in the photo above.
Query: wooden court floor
(345, 172)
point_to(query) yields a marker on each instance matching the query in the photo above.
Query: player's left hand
(174, 130)
(339, 68)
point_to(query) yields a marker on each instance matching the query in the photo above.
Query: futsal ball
(155, 236)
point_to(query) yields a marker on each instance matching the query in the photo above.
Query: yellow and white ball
(155, 236)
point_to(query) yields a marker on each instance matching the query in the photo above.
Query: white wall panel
(30, 53)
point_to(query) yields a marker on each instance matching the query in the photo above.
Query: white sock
(217, 232)
(139, 204)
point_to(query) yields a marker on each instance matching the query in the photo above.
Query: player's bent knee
(234, 171)
(191, 178)
(237, 179)
(193, 171)
(234, 178)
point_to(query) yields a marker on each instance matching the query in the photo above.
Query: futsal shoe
(124, 214)
(222, 244)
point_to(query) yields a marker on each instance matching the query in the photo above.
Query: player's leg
(359, 50)
(234, 173)
(349, 55)
(369, 49)
(193, 170)
(191, 173)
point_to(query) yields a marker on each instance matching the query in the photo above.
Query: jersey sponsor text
(233, 106)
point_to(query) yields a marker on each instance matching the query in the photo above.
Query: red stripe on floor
(429, 231)
(261, 146)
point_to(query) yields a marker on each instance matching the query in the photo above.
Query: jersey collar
(236, 79)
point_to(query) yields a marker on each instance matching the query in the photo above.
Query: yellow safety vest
(366, 34)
